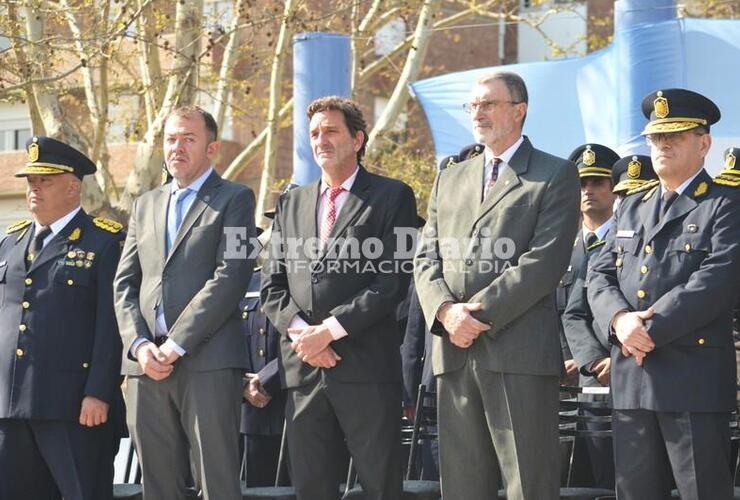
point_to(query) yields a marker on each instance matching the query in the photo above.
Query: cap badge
(589, 157)
(633, 168)
(33, 152)
(660, 104)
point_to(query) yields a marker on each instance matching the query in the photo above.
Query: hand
(312, 340)
(410, 413)
(631, 332)
(93, 412)
(327, 358)
(169, 352)
(601, 368)
(254, 392)
(634, 352)
(153, 361)
(461, 326)
(571, 373)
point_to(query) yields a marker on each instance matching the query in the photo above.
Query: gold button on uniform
(644, 269)
(19, 353)
(70, 282)
(25, 304)
(648, 249)
(688, 247)
(641, 294)
(29, 281)
(85, 365)
(245, 315)
(22, 327)
(262, 331)
(262, 353)
(701, 341)
(618, 262)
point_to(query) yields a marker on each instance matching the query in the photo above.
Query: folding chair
(130, 488)
(276, 492)
(573, 416)
(424, 429)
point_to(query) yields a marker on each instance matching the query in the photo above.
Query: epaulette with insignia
(726, 180)
(108, 224)
(17, 226)
(648, 185)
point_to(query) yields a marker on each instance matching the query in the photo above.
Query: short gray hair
(514, 84)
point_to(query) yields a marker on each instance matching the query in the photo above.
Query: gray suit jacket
(516, 247)
(199, 282)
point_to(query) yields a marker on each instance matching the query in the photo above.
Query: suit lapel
(355, 201)
(59, 243)
(309, 209)
(202, 200)
(682, 205)
(161, 203)
(508, 180)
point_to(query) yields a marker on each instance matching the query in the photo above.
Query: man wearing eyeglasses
(665, 286)
(490, 301)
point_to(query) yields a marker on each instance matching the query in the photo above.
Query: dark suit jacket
(69, 346)
(530, 219)
(263, 346)
(565, 288)
(416, 352)
(685, 266)
(200, 281)
(586, 339)
(357, 292)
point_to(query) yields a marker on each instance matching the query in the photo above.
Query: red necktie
(330, 214)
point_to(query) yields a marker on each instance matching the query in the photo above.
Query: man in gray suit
(498, 238)
(184, 269)
(334, 302)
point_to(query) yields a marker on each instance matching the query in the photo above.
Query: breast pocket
(73, 278)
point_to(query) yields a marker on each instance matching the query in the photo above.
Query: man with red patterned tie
(333, 299)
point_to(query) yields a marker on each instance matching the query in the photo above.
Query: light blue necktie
(174, 223)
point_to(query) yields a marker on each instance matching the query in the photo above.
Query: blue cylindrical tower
(321, 66)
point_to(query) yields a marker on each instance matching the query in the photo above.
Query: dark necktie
(591, 238)
(493, 177)
(37, 243)
(668, 198)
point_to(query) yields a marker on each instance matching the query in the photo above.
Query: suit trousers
(189, 414)
(652, 448)
(487, 416)
(368, 415)
(51, 459)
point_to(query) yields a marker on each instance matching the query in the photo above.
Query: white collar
(347, 184)
(60, 223)
(680, 189)
(195, 185)
(600, 231)
(506, 155)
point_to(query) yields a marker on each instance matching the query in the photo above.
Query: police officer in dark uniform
(594, 162)
(664, 287)
(60, 398)
(730, 176)
(263, 411)
(632, 172)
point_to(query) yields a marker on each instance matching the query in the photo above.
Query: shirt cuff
(173, 345)
(336, 329)
(296, 322)
(136, 344)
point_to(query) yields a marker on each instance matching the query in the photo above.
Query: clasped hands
(629, 328)
(157, 362)
(462, 328)
(311, 344)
